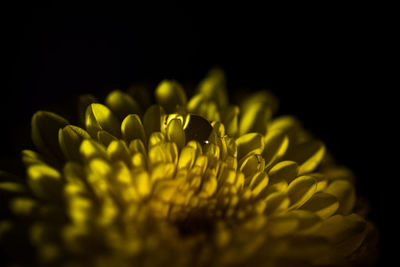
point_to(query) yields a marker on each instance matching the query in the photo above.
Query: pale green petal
(344, 191)
(91, 149)
(276, 145)
(122, 104)
(70, 139)
(105, 138)
(45, 127)
(346, 233)
(175, 133)
(170, 94)
(118, 150)
(300, 190)
(250, 143)
(99, 117)
(308, 155)
(45, 182)
(285, 170)
(153, 119)
(132, 128)
(322, 204)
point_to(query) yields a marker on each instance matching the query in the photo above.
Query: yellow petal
(141, 94)
(83, 102)
(213, 87)
(91, 149)
(137, 146)
(249, 143)
(284, 170)
(322, 204)
(30, 157)
(186, 158)
(254, 118)
(132, 128)
(282, 225)
(251, 164)
(307, 221)
(45, 127)
(163, 171)
(118, 150)
(70, 139)
(11, 187)
(122, 104)
(308, 155)
(277, 202)
(142, 183)
(99, 117)
(276, 145)
(175, 133)
(153, 119)
(105, 138)
(300, 190)
(259, 182)
(22, 206)
(288, 125)
(231, 120)
(209, 187)
(344, 191)
(45, 182)
(346, 233)
(170, 94)
(74, 173)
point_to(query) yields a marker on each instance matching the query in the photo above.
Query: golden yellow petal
(277, 202)
(250, 143)
(45, 127)
(70, 139)
(122, 104)
(308, 155)
(153, 119)
(213, 87)
(346, 233)
(276, 145)
(300, 190)
(142, 183)
(105, 138)
(230, 118)
(83, 102)
(322, 204)
(99, 117)
(254, 119)
(137, 146)
(259, 182)
(186, 158)
(91, 149)
(175, 133)
(170, 94)
(132, 128)
(344, 191)
(45, 182)
(118, 150)
(285, 170)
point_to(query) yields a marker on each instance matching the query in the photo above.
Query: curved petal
(249, 143)
(100, 117)
(170, 94)
(122, 104)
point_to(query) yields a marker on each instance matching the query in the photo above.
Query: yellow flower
(184, 182)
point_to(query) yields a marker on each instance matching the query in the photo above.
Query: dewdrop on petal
(183, 181)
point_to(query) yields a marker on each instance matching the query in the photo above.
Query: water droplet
(198, 129)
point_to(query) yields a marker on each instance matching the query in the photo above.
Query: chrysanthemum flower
(183, 182)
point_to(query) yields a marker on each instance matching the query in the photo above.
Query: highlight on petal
(213, 87)
(99, 117)
(170, 95)
(122, 104)
(45, 182)
(175, 133)
(322, 204)
(153, 119)
(276, 145)
(300, 190)
(45, 127)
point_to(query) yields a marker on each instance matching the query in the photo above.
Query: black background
(324, 63)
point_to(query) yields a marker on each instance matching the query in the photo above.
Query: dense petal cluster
(184, 182)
